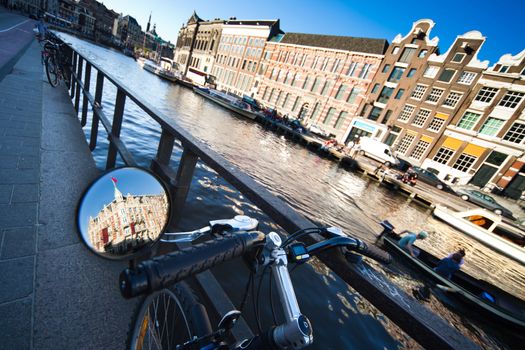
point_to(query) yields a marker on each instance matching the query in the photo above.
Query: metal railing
(178, 182)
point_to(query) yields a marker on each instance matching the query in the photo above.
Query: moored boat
(488, 228)
(494, 302)
(227, 101)
(152, 67)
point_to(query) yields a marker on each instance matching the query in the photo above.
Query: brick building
(128, 221)
(403, 64)
(484, 143)
(319, 78)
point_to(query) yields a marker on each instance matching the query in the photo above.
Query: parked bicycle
(171, 316)
(54, 60)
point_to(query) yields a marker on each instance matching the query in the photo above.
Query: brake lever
(179, 237)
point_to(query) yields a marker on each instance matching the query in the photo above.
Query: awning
(452, 143)
(474, 150)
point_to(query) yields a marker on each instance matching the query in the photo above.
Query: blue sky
(500, 22)
(129, 180)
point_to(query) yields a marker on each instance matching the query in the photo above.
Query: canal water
(317, 188)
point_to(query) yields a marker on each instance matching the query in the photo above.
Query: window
(386, 68)
(265, 93)
(418, 92)
(375, 88)
(436, 124)
(385, 94)
(340, 92)
(503, 69)
(511, 99)
(446, 75)
(353, 94)
(351, 68)
(452, 99)
(296, 103)
(516, 133)
(375, 113)
(306, 82)
(405, 143)
(431, 71)
(468, 120)
(435, 95)
(386, 117)
(396, 74)
(340, 120)
(422, 53)
(407, 54)
(315, 85)
(315, 112)
(285, 101)
(406, 113)
(411, 73)
(443, 155)
(395, 50)
(464, 162)
(458, 57)
(496, 158)
(329, 115)
(399, 93)
(466, 78)
(326, 88)
(420, 148)
(486, 94)
(364, 71)
(491, 126)
(421, 117)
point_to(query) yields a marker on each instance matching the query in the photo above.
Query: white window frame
(417, 92)
(431, 72)
(513, 96)
(420, 149)
(467, 160)
(443, 155)
(486, 94)
(406, 113)
(473, 125)
(466, 77)
(421, 117)
(405, 143)
(462, 55)
(436, 124)
(434, 95)
(451, 78)
(453, 98)
(512, 136)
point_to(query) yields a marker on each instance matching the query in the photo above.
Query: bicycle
(53, 60)
(171, 304)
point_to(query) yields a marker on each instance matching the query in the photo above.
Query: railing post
(79, 78)
(116, 126)
(182, 184)
(98, 104)
(72, 85)
(87, 81)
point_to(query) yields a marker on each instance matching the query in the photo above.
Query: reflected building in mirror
(128, 222)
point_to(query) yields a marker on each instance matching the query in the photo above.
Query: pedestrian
(407, 241)
(447, 266)
(461, 253)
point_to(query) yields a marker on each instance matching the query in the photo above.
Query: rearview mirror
(122, 212)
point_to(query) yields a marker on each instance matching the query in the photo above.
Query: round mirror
(123, 211)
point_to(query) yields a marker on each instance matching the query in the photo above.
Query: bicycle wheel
(167, 318)
(52, 71)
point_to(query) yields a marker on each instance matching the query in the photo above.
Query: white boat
(230, 102)
(152, 67)
(488, 228)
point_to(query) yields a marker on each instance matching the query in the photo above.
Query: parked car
(430, 178)
(484, 200)
(314, 129)
(377, 150)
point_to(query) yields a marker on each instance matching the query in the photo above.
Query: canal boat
(227, 101)
(495, 303)
(152, 67)
(488, 228)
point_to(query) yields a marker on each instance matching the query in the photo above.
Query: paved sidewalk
(54, 293)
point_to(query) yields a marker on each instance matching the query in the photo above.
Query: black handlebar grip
(165, 270)
(375, 253)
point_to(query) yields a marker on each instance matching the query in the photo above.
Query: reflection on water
(315, 187)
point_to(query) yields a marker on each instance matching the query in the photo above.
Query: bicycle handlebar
(163, 271)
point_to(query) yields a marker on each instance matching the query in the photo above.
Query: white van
(377, 150)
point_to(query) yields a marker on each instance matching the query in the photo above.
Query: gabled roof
(347, 43)
(194, 18)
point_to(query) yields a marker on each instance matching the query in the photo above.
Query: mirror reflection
(123, 211)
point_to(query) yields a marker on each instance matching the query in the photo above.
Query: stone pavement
(54, 293)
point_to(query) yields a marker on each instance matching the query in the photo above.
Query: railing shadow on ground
(79, 75)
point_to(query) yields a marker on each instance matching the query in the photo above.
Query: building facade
(128, 222)
(130, 32)
(239, 54)
(104, 20)
(401, 67)
(320, 79)
(433, 100)
(484, 143)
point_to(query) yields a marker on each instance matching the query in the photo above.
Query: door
(515, 187)
(483, 175)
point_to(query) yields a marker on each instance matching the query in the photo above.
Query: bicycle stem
(296, 332)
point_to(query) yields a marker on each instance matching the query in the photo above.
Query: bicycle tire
(176, 308)
(52, 71)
